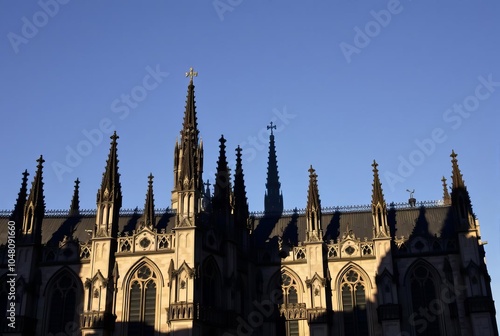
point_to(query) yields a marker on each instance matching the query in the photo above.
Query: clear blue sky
(346, 82)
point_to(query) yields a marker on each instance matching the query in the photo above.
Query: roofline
(256, 214)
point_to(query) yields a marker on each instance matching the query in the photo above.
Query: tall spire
(17, 214)
(222, 187)
(313, 209)
(273, 199)
(188, 153)
(240, 194)
(149, 207)
(74, 209)
(379, 207)
(34, 209)
(446, 194)
(110, 187)
(190, 124)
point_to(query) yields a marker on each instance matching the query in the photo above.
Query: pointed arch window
(423, 294)
(211, 284)
(353, 298)
(290, 296)
(142, 302)
(65, 300)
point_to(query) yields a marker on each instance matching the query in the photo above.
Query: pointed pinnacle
(40, 162)
(446, 194)
(457, 180)
(74, 209)
(377, 193)
(149, 212)
(311, 171)
(36, 192)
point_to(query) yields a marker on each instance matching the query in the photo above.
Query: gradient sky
(346, 82)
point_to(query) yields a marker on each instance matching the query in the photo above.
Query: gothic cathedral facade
(209, 266)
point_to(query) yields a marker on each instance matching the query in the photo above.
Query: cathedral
(208, 266)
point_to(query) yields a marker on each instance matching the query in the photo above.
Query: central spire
(188, 161)
(273, 199)
(190, 124)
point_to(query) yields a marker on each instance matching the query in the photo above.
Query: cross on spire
(207, 184)
(191, 73)
(271, 126)
(311, 170)
(40, 161)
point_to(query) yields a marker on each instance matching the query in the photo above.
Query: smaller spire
(34, 208)
(207, 189)
(17, 214)
(240, 195)
(377, 193)
(222, 191)
(460, 198)
(313, 201)
(446, 194)
(36, 197)
(379, 208)
(457, 179)
(111, 177)
(207, 197)
(273, 198)
(74, 209)
(149, 207)
(313, 210)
